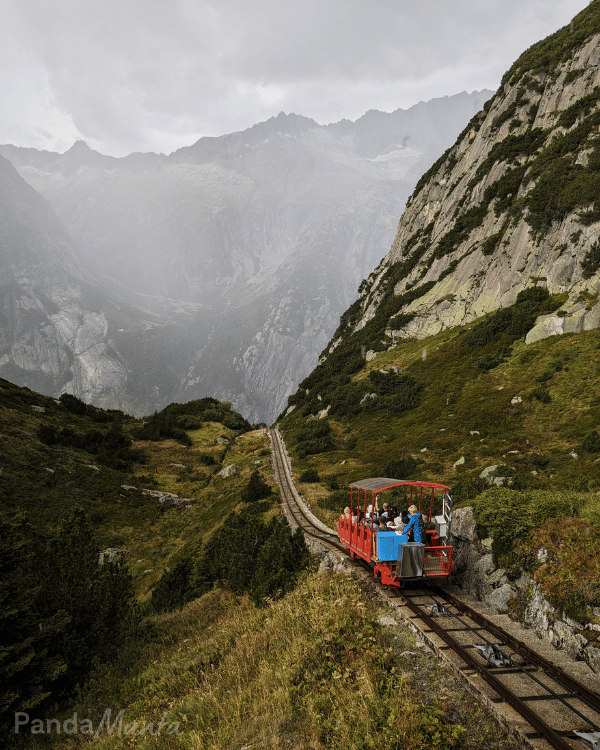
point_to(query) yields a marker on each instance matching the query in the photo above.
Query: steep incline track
(550, 705)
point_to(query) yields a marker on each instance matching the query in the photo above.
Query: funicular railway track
(549, 707)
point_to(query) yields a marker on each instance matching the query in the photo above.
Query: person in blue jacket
(416, 524)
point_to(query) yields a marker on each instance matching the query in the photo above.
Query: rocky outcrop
(492, 216)
(113, 555)
(476, 573)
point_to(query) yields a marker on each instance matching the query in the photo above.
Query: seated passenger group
(410, 526)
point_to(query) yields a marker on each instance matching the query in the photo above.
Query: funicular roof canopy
(378, 484)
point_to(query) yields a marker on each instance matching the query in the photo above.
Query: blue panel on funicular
(387, 545)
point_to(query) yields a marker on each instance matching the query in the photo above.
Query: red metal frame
(361, 541)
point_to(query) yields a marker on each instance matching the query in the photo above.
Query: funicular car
(393, 560)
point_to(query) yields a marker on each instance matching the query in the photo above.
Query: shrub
(335, 501)
(173, 589)
(570, 575)
(72, 404)
(539, 461)
(256, 488)
(310, 476)
(400, 468)
(591, 443)
(508, 515)
(250, 556)
(541, 394)
(206, 459)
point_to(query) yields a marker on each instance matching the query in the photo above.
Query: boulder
(38, 408)
(228, 471)
(497, 578)
(591, 654)
(460, 461)
(463, 524)
(573, 643)
(485, 474)
(500, 597)
(553, 325)
(112, 555)
(164, 498)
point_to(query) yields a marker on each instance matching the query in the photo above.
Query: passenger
(386, 511)
(382, 524)
(346, 512)
(371, 513)
(415, 525)
(399, 525)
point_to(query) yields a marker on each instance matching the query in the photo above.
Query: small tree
(256, 488)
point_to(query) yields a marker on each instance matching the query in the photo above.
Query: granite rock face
(484, 223)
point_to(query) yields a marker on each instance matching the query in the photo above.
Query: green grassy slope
(48, 481)
(464, 410)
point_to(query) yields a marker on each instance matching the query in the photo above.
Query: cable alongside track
(558, 710)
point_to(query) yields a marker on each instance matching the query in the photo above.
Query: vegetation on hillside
(531, 411)
(72, 481)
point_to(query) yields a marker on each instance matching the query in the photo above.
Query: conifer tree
(28, 669)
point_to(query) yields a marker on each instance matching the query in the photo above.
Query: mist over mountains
(221, 269)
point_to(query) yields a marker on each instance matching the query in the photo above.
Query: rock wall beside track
(523, 599)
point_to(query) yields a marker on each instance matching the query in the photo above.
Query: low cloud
(138, 75)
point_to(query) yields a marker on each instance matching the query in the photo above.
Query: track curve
(553, 704)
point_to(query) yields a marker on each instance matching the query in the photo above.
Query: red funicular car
(393, 560)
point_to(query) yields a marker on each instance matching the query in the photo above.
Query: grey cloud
(147, 74)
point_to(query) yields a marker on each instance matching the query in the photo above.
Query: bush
(173, 589)
(256, 488)
(539, 461)
(541, 394)
(400, 468)
(570, 575)
(250, 556)
(335, 501)
(310, 476)
(508, 515)
(591, 443)
(206, 459)
(72, 404)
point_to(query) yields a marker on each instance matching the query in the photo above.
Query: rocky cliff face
(271, 230)
(513, 203)
(62, 327)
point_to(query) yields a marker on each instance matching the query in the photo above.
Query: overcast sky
(155, 75)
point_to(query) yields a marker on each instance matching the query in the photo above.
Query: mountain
(513, 203)
(506, 222)
(64, 328)
(270, 229)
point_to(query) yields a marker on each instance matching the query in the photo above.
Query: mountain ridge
(511, 204)
(276, 229)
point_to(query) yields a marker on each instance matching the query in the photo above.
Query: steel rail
(291, 498)
(572, 695)
(520, 707)
(590, 698)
